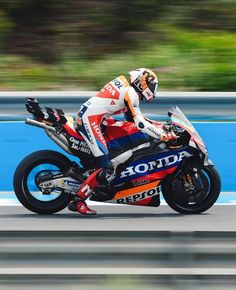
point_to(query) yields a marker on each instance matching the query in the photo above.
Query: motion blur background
(70, 45)
(73, 45)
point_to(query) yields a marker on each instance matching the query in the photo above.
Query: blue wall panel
(18, 140)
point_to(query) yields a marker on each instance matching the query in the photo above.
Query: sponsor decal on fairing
(140, 195)
(79, 145)
(154, 165)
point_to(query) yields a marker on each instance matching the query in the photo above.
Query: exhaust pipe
(59, 139)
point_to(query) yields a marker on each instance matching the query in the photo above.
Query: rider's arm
(153, 121)
(132, 104)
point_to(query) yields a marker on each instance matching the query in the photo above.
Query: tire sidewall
(23, 169)
(208, 202)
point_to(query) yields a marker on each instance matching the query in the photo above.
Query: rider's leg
(83, 193)
(99, 149)
(99, 176)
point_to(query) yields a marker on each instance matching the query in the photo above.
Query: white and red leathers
(115, 97)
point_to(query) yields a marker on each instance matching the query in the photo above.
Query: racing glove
(168, 136)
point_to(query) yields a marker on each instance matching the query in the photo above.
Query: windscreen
(178, 117)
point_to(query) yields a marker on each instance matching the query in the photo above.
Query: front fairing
(178, 118)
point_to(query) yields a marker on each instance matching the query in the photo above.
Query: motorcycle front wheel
(25, 185)
(195, 201)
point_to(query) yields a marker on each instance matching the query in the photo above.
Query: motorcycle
(46, 181)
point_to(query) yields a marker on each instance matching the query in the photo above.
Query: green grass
(185, 60)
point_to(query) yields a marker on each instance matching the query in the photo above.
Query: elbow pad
(147, 127)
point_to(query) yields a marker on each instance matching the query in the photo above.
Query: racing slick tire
(180, 201)
(21, 175)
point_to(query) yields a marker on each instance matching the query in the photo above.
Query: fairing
(178, 117)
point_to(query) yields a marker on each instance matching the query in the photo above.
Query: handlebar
(171, 127)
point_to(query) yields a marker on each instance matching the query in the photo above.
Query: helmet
(145, 82)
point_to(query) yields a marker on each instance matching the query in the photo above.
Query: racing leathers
(115, 97)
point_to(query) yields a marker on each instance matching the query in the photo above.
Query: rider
(115, 97)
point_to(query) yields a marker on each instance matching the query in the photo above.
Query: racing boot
(80, 206)
(83, 208)
(84, 192)
(99, 176)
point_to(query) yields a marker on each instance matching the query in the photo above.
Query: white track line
(14, 202)
(7, 202)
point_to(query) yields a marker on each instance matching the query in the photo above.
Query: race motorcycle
(46, 181)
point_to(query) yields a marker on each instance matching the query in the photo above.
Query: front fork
(190, 177)
(188, 183)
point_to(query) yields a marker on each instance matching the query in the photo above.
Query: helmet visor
(150, 93)
(153, 86)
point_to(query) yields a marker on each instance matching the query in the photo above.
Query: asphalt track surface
(120, 218)
(38, 253)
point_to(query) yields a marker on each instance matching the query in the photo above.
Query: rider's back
(110, 99)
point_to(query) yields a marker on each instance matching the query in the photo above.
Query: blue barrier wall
(18, 140)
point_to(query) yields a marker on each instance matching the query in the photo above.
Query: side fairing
(152, 166)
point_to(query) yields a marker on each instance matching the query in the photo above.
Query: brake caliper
(188, 184)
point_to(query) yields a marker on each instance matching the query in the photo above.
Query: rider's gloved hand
(168, 136)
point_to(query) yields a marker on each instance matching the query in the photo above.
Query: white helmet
(145, 82)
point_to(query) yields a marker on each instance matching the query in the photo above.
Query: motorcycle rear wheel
(180, 201)
(22, 191)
